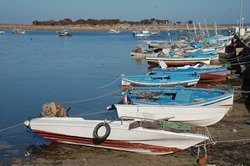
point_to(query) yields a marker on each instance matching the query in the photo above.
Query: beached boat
(195, 116)
(160, 80)
(142, 137)
(182, 60)
(18, 31)
(64, 33)
(208, 73)
(178, 96)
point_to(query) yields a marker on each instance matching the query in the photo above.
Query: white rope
(109, 84)
(79, 101)
(238, 91)
(11, 127)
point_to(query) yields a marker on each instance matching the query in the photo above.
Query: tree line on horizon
(68, 21)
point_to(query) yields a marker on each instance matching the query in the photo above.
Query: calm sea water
(40, 67)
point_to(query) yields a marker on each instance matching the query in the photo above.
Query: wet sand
(232, 146)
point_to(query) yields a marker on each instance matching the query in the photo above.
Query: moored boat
(18, 31)
(64, 33)
(146, 137)
(160, 80)
(196, 116)
(208, 73)
(179, 96)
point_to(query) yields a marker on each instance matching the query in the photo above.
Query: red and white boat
(118, 135)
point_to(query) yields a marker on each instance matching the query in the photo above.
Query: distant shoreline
(121, 27)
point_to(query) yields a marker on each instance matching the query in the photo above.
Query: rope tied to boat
(11, 127)
(110, 83)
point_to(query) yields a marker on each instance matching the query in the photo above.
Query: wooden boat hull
(121, 137)
(175, 62)
(208, 73)
(162, 80)
(196, 116)
(179, 96)
(142, 55)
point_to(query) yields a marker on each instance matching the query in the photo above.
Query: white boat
(1, 32)
(113, 31)
(196, 116)
(143, 33)
(18, 31)
(64, 33)
(118, 135)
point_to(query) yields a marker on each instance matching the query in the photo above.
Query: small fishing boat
(142, 33)
(147, 137)
(18, 31)
(160, 80)
(185, 58)
(178, 96)
(1, 32)
(195, 116)
(208, 73)
(140, 52)
(64, 33)
(113, 31)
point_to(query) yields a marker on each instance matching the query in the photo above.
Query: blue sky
(221, 11)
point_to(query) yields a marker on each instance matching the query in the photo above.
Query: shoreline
(121, 27)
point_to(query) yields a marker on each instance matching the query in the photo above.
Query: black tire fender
(105, 136)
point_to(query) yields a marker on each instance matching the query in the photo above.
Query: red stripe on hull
(106, 144)
(212, 77)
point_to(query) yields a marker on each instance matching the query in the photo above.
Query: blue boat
(179, 96)
(208, 73)
(160, 80)
(182, 59)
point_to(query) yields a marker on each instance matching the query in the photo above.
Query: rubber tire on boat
(105, 136)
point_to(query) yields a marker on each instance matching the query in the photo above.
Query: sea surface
(40, 67)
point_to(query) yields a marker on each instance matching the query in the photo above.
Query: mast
(206, 28)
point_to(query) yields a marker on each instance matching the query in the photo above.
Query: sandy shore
(121, 27)
(232, 146)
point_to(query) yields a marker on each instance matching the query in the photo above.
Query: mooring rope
(109, 83)
(10, 127)
(94, 98)
(238, 91)
(240, 63)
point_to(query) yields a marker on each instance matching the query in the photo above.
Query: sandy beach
(232, 145)
(121, 27)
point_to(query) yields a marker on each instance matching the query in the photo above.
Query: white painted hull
(196, 116)
(79, 131)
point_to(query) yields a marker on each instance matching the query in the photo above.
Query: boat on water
(64, 33)
(147, 137)
(1, 32)
(208, 73)
(142, 33)
(140, 52)
(18, 31)
(160, 80)
(113, 31)
(178, 96)
(195, 116)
